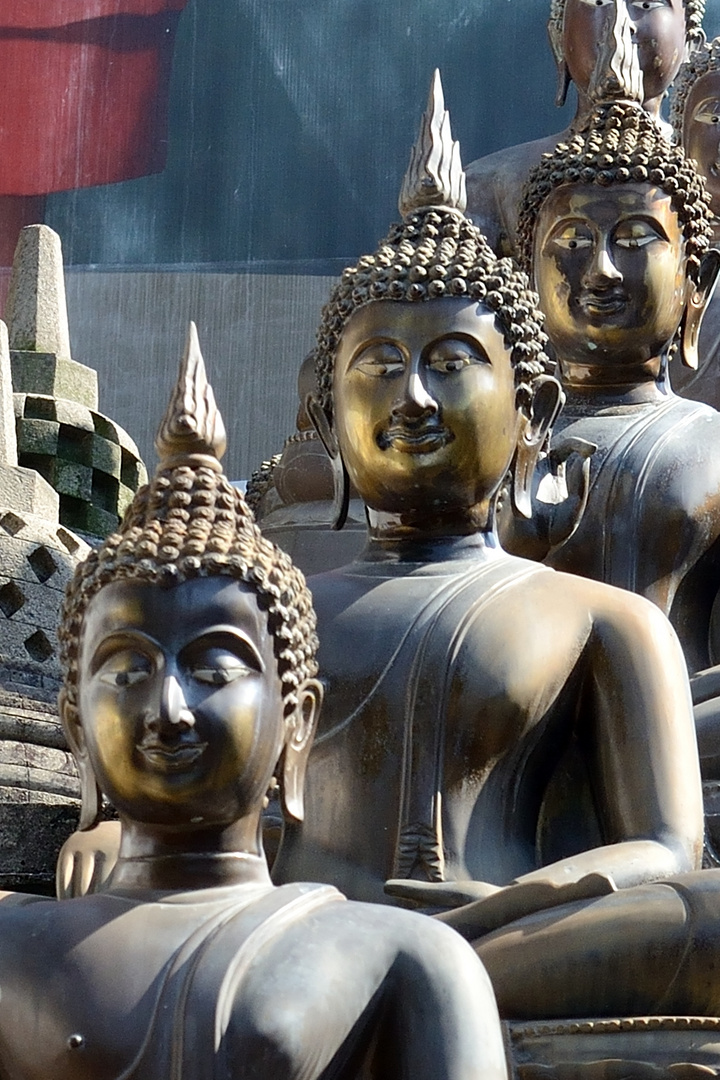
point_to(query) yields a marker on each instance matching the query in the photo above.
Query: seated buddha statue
(490, 727)
(665, 30)
(188, 645)
(615, 228)
(695, 116)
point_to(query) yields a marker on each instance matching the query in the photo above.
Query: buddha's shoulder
(521, 156)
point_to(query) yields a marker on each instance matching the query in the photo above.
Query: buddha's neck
(609, 385)
(585, 108)
(423, 537)
(157, 861)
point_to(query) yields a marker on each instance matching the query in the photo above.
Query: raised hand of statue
(487, 907)
(86, 860)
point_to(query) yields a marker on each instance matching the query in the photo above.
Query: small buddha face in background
(610, 267)
(180, 700)
(424, 404)
(660, 31)
(701, 131)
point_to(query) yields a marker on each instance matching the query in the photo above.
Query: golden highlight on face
(610, 269)
(425, 404)
(701, 131)
(180, 700)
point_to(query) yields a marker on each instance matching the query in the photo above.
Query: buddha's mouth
(602, 304)
(163, 757)
(422, 438)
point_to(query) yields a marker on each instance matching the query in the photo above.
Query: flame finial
(192, 423)
(617, 75)
(435, 174)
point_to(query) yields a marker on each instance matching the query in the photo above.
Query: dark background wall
(290, 128)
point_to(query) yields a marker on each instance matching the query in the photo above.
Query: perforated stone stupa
(87, 458)
(39, 797)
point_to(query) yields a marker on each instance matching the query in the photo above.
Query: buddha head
(431, 376)
(695, 114)
(188, 645)
(614, 227)
(665, 32)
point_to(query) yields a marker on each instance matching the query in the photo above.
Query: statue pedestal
(629, 1048)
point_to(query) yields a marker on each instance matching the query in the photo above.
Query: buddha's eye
(647, 5)
(637, 234)
(379, 359)
(597, 3)
(572, 238)
(454, 354)
(124, 669)
(218, 666)
(708, 112)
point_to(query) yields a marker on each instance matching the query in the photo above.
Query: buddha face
(610, 268)
(659, 34)
(701, 131)
(424, 404)
(179, 700)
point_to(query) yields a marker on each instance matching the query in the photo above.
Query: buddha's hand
(438, 895)
(496, 908)
(86, 860)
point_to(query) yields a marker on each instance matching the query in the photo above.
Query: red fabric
(44, 14)
(83, 91)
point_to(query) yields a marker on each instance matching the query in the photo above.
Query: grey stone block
(56, 376)
(25, 491)
(72, 478)
(37, 436)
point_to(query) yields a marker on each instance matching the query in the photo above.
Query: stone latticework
(87, 458)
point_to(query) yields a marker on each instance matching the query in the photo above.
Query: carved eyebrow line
(125, 638)
(226, 630)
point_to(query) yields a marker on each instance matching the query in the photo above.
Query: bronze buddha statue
(695, 116)
(189, 651)
(491, 727)
(665, 30)
(615, 228)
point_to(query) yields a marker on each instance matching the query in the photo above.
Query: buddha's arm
(637, 724)
(642, 757)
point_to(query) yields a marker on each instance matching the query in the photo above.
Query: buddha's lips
(414, 438)
(604, 303)
(171, 757)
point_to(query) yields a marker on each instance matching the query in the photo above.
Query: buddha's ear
(563, 75)
(341, 481)
(547, 400)
(301, 725)
(90, 794)
(699, 294)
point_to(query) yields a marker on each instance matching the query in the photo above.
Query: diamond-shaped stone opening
(67, 540)
(12, 598)
(11, 523)
(42, 562)
(38, 646)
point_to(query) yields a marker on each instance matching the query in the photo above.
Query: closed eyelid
(229, 638)
(127, 641)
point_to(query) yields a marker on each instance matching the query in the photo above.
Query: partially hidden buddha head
(614, 228)
(188, 644)
(431, 374)
(695, 115)
(666, 32)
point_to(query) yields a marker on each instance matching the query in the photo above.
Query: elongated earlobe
(301, 731)
(563, 75)
(699, 296)
(546, 403)
(90, 794)
(341, 480)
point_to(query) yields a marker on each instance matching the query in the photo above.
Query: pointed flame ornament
(435, 175)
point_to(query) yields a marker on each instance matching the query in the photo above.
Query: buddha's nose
(602, 270)
(416, 401)
(173, 706)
